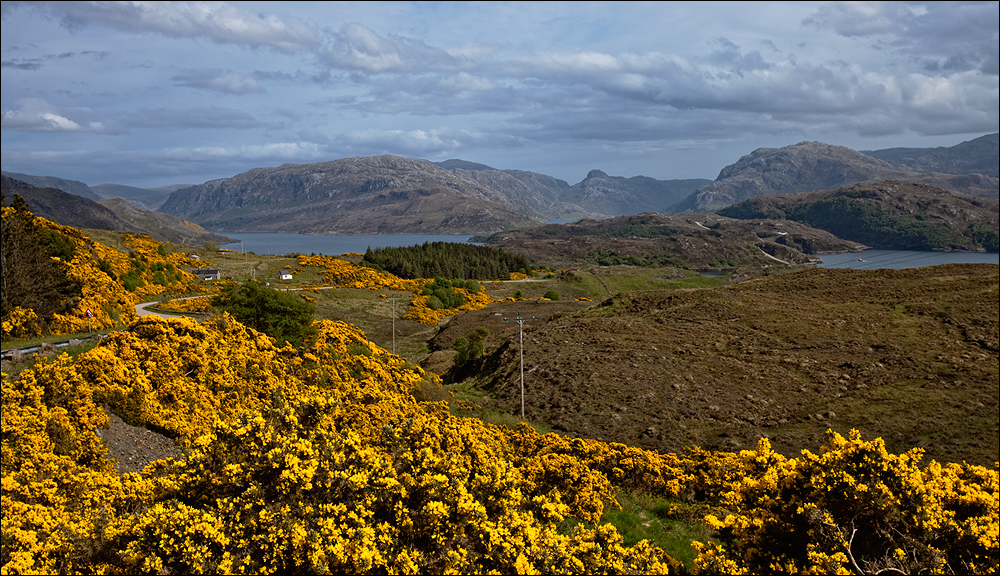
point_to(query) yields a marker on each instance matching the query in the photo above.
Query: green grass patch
(670, 525)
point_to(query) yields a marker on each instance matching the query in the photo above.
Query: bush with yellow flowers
(854, 508)
(318, 459)
(20, 323)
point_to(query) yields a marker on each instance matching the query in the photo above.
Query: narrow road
(140, 309)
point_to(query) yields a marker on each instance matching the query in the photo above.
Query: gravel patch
(134, 447)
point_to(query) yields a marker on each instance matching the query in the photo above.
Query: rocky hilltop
(893, 214)
(619, 196)
(369, 195)
(808, 166)
(978, 156)
(596, 196)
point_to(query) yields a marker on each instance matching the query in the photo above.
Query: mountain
(893, 214)
(596, 196)
(619, 196)
(114, 214)
(71, 186)
(65, 208)
(979, 156)
(369, 195)
(811, 166)
(142, 197)
(163, 226)
(527, 192)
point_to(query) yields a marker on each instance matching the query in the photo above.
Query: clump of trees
(443, 295)
(445, 259)
(281, 315)
(34, 276)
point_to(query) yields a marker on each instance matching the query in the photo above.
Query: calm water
(872, 259)
(276, 243)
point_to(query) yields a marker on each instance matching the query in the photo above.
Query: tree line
(446, 260)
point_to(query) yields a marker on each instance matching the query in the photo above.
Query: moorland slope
(894, 215)
(908, 355)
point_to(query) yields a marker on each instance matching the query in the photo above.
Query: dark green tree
(281, 315)
(31, 278)
(552, 295)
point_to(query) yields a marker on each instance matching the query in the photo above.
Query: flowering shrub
(21, 322)
(318, 459)
(855, 507)
(199, 305)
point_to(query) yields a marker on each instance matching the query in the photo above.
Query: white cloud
(37, 115)
(218, 21)
(225, 81)
(414, 142)
(360, 49)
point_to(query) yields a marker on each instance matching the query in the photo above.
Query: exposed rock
(809, 166)
(979, 156)
(370, 195)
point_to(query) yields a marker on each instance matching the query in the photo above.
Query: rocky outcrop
(369, 195)
(619, 196)
(809, 166)
(978, 156)
(800, 168)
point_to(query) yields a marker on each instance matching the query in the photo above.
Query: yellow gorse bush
(318, 459)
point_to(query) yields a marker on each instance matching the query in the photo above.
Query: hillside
(162, 226)
(908, 355)
(141, 197)
(596, 196)
(372, 195)
(980, 156)
(70, 186)
(619, 196)
(811, 166)
(894, 214)
(65, 208)
(115, 214)
(702, 240)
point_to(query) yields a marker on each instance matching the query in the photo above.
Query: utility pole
(393, 324)
(520, 328)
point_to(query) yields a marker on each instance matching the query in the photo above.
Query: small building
(207, 274)
(284, 275)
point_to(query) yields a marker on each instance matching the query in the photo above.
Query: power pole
(393, 324)
(520, 329)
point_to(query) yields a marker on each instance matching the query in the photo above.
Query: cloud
(225, 81)
(201, 117)
(37, 115)
(943, 37)
(408, 142)
(357, 48)
(218, 21)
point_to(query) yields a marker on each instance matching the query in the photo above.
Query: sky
(150, 94)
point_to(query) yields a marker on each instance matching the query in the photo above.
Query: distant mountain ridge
(808, 166)
(596, 196)
(978, 156)
(71, 186)
(365, 195)
(113, 214)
